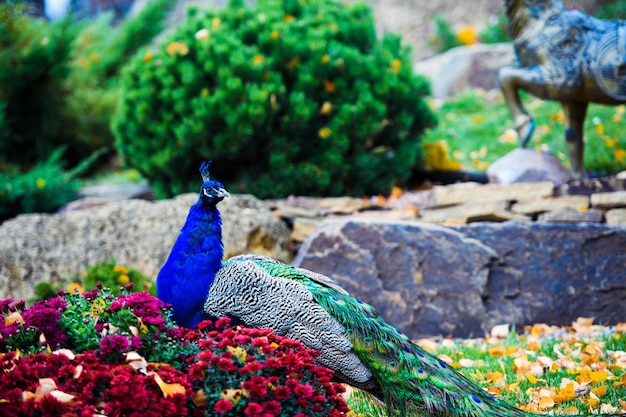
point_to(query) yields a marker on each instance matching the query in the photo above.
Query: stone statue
(566, 56)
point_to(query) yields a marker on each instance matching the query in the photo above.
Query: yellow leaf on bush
(238, 352)
(232, 395)
(199, 398)
(14, 317)
(169, 389)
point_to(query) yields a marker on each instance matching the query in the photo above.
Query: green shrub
(612, 9)
(33, 64)
(107, 274)
(444, 37)
(43, 189)
(496, 31)
(100, 50)
(58, 81)
(477, 129)
(287, 96)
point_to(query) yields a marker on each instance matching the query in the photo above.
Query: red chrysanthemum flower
(253, 409)
(223, 406)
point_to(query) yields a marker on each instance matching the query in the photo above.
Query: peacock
(353, 339)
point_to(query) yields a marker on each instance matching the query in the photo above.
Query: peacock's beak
(221, 193)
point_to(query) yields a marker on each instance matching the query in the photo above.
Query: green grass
(533, 370)
(476, 127)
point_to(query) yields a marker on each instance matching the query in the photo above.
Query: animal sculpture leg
(511, 80)
(575, 113)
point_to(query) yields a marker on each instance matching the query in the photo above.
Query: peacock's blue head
(211, 192)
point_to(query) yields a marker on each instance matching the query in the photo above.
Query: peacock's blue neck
(187, 276)
(201, 238)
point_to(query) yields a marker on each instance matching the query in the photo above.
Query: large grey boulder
(137, 233)
(465, 67)
(422, 278)
(528, 165)
(430, 280)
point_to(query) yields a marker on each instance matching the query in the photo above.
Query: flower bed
(96, 354)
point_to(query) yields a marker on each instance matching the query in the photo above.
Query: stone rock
(137, 233)
(528, 165)
(495, 211)
(469, 193)
(465, 67)
(101, 194)
(424, 279)
(569, 215)
(434, 280)
(616, 217)
(590, 186)
(115, 192)
(552, 272)
(534, 207)
(609, 200)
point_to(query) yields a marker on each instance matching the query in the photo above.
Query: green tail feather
(411, 381)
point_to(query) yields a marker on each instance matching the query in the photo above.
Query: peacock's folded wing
(246, 289)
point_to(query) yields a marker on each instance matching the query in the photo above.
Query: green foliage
(106, 274)
(612, 9)
(33, 65)
(287, 96)
(58, 81)
(43, 189)
(445, 37)
(542, 362)
(496, 31)
(477, 128)
(99, 52)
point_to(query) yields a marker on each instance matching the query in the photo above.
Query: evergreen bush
(58, 80)
(43, 189)
(288, 96)
(33, 65)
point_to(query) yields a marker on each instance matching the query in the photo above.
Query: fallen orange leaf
(566, 393)
(497, 351)
(546, 402)
(599, 391)
(583, 324)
